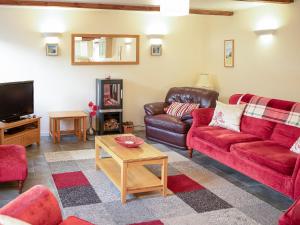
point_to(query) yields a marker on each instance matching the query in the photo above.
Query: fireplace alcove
(109, 98)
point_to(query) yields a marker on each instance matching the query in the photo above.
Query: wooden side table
(79, 118)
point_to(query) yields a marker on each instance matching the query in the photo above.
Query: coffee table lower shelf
(138, 178)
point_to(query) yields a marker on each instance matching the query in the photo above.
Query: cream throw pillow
(296, 147)
(228, 116)
(7, 220)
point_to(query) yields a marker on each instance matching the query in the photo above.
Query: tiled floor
(39, 171)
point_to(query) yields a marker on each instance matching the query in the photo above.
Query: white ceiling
(200, 4)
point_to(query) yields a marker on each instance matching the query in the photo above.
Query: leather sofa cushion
(258, 127)
(167, 122)
(285, 135)
(221, 137)
(269, 154)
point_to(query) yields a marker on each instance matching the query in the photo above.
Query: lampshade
(204, 81)
(175, 7)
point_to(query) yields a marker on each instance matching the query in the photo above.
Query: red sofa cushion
(13, 163)
(258, 127)
(167, 122)
(37, 206)
(285, 135)
(72, 220)
(269, 154)
(221, 137)
(202, 116)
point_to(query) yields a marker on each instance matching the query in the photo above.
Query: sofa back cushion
(285, 135)
(204, 97)
(279, 132)
(258, 127)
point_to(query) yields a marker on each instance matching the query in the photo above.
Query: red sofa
(38, 206)
(292, 215)
(13, 164)
(261, 150)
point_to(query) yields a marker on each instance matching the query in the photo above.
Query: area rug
(196, 195)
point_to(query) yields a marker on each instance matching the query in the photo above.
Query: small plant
(92, 109)
(92, 113)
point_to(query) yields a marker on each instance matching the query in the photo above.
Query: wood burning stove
(109, 98)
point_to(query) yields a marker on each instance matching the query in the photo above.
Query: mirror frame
(137, 37)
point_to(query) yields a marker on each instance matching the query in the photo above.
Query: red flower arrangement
(93, 109)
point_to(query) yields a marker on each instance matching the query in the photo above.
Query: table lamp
(204, 81)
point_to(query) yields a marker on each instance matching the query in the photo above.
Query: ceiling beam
(269, 1)
(106, 6)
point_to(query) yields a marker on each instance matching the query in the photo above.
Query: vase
(90, 132)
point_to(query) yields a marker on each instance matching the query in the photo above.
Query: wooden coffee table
(126, 166)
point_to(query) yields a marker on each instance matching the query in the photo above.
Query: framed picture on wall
(156, 50)
(229, 53)
(52, 49)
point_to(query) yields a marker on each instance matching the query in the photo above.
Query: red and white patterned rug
(197, 196)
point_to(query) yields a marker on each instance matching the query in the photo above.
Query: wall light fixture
(51, 37)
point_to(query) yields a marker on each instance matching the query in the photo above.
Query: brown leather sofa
(171, 130)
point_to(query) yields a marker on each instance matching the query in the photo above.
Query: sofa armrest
(296, 178)
(292, 215)
(202, 116)
(37, 206)
(155, 108)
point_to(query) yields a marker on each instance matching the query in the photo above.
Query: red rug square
(71, 179)
(182, 183)
(153, 222)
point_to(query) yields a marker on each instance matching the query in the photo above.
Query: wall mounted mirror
(105, 49)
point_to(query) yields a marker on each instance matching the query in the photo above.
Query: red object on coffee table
(129, 141)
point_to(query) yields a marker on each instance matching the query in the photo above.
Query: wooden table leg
(123, 182)
(75, 127)
(50, 127)
(84, 128)
(53, 130)
(58, 130)
(97, 155)
(164, 177)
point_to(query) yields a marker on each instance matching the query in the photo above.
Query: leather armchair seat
(171, 130)
(168, 123)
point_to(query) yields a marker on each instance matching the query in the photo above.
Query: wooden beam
(106, 6)
(269, 1)
(211, 12)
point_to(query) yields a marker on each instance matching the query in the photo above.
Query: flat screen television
(16, 100)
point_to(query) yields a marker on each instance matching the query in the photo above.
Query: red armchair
(13, 164)
(38, 206)
(292, 215)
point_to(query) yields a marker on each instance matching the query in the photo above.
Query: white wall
(193, 44)
(61, 86)
(268, 68)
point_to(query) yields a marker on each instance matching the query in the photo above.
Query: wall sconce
(51, 37)
(266, 32)
(266, 35)
(155, 39)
